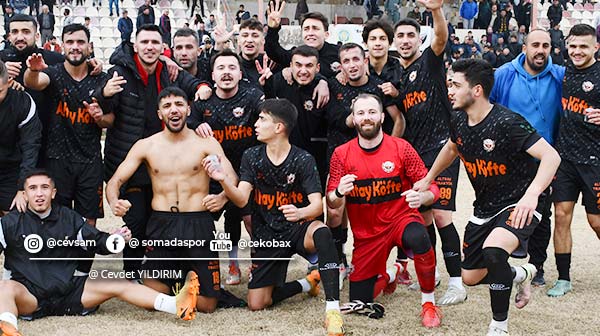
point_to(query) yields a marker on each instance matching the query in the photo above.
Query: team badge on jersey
(335, 66)
(412, 76)
(308, 105)
(388, 166)
(238, 112)
(291, 178)
(91, 92)
(489, 145)
(587, 86)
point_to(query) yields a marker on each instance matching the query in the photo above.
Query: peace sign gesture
(264, 70)
(274, 12)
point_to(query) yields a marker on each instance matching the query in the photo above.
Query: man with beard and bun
(286, 174)
(136, 78)
(251, 41)
(314, 33)
(20, 144)
(186, 49)
(508, 193)
(532, 86)
(425, 105)
(228, 115)
(578, 144)
(387, 217)
(340, 127)
(73, 155)
(52, 288)
(174, 158)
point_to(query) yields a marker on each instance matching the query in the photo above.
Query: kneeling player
(374, 174)
(287, 199)
(42, 288)
(499, 150)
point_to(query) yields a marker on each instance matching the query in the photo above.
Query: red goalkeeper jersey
(383, 174)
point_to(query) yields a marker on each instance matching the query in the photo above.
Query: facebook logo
(115, 243)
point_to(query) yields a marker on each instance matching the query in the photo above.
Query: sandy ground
(575, 314)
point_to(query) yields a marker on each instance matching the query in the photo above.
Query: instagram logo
(33, 243)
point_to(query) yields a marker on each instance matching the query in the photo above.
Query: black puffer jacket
(129, 106)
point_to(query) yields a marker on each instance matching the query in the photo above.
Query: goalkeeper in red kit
(374, 173)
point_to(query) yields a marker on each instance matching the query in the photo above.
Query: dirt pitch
(575, 314)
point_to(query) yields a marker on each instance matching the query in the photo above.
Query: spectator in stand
(242, 14)
(34, 6)
(51, 3)
(554, 13)
(500, 27)
(145, 6)
(494, 15)
(202, 32)
(197, 22)
(521, 34)
(483, 40)
(489, 54)
(211, 24)
(301, 9)
(523, 14)
(53, 45)
(415, 14)
(557, 38)
(392, 10)
(193, 8)
(145, 17)
(557, 56)
(68, 19)
(8, 14)
(476, 54)
(165, 27)
(125, 26)
(513, 45)
(19, 6)
(87, 22)
(372, 9)
(99, 4)
(46, 22)
(468, 12)
(484, 15)
(110, 7)
(427, 18)
(500, 43)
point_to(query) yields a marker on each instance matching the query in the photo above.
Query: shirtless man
(174, 158)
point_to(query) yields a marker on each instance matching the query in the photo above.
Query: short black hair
(317, 16)
(185, 32)
(37, 172)
(305, 51)
(378, 24)
(24, 18)
(476, 72)
(582, 29)
(3, 73)
(75, 27)
(171, 91)
(148, 27)
(223, 53)
(352, 45)
(408, 22)
(252, 24)
(282, 110)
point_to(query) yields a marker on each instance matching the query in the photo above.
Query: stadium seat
(107, 53)
(104, 12)
(106, 22)
(577, 15)
(128, 4)
(94, 32)
(587, 15)
(578, 6)
(108, 42)
(543, 15)
(106, 32)
(546, 5)
(569, 6)
(566, 14)
(357, 20)
(138, 3)
(164, 4)
(91, 12)
(176, 4)
(341, 20)
(179, 14)
(588, 6)
(285, 21)
(179, 23)
(78, 11)
(597, 6)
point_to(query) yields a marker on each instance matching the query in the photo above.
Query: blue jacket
(536, 98)
(125, 26)
(468, 10)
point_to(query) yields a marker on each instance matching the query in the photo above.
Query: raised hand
(113, 85)
(94, 109)
(274, 13)
(222, 35)
(36, 62)
(121, 207)
(264, 70)
(432, 4)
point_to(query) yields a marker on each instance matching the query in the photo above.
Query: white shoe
(343, 275)
(454, 295)
(495, 331)
(524, 287)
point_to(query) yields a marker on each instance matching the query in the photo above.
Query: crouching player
(47, 288)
